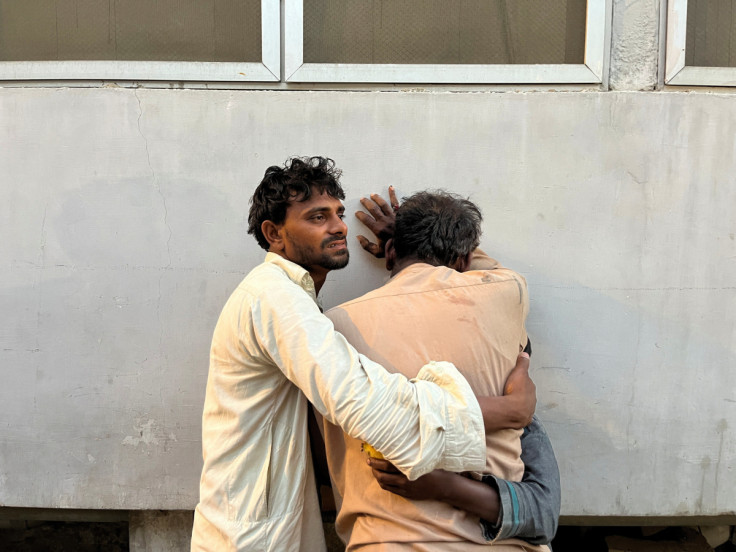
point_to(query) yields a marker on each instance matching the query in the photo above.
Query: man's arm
(530, 510)
(481, 261)
(475, 497)
(480, 499)
(515, 408)
(443, 425)
(527, 510)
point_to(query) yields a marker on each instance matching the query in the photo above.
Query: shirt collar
(411, 269)
(296, 273)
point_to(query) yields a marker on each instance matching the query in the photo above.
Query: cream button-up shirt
(272, 352)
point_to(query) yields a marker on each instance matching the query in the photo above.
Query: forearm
(439, 427)
(474, 497)
(515, 408)
(505, 412)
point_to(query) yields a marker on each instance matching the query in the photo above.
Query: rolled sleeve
(530, 509)
(461, 419)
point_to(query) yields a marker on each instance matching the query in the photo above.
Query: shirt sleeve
(530, 509)
(433, 421)
(481, 261)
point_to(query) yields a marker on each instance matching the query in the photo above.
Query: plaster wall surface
(123, 218)
(634, 44)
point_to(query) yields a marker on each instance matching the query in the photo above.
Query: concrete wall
(123, 218)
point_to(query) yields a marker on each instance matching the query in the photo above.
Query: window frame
(676, 72)
(267, 70)
(589, 72)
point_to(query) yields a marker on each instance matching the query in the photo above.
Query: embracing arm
(443, 427)
(515, 408)
(473, 496)
(530, 509)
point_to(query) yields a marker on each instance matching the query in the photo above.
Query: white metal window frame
(676, 72)
(268, 70)
(589, 72)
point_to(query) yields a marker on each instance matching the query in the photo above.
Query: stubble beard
(332, 262)
(307, 258)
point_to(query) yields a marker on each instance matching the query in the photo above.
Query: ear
(462, 264)
(272, 233)
(390, 254)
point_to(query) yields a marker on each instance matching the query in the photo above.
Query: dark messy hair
(436, 227)
(295, 181)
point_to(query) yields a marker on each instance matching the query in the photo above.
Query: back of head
(295, 181)
(436, 227)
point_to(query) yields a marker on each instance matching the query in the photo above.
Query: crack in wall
(154, 178)
(41, 265)
(157, 187)
(721, 428)
(42, 253)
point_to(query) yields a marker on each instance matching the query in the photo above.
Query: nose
(338, 226)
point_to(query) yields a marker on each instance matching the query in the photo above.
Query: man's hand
(520, 388)
(474, 497)
(513, 410)
(379, 220)
(426, 487)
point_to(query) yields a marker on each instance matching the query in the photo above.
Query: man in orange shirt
(448, 300)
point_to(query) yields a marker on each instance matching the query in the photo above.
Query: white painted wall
(123, 219)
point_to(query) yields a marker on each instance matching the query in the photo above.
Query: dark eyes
(320, 217)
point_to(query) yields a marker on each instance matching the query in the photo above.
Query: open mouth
(339, 244)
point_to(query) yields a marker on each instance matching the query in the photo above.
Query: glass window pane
(134, 30)
(711, 33)
(444, 31)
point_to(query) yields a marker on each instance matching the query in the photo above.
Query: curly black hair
(295, 181)
(437, 227)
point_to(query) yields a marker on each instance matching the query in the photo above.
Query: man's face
(314, 234)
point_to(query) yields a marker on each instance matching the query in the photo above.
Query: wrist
(517, 411)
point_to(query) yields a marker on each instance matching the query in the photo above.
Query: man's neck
(461, 264)
(401, 264)
(318, 281)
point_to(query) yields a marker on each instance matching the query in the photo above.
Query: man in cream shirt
(273, 351)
